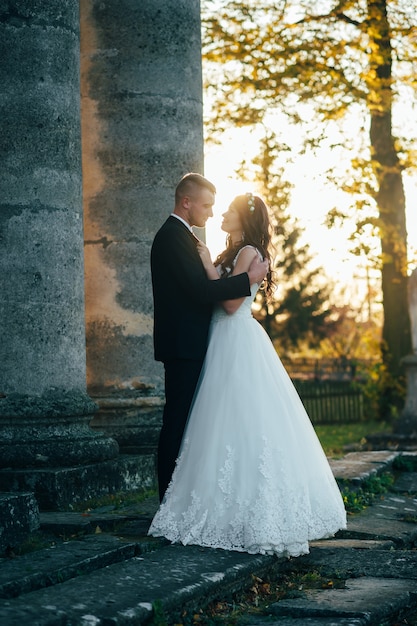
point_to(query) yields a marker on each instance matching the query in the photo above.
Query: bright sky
(311, 200)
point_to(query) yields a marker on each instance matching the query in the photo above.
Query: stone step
(19, 517)
(57, 488)
(371, 600)
(55, 564)
(175, 577)
(392, 518)
(303, 621)
(406, 483)
(127, 592)
(126, 582)
(356, 562)
(68, 524)
(356, 467)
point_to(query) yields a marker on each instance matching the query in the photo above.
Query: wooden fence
(331, 401)
(342, 369)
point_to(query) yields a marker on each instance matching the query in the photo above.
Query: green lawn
(334, 436)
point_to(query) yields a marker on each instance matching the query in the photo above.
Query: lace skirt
(251, 474)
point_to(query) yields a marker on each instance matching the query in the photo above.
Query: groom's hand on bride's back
(257, 271)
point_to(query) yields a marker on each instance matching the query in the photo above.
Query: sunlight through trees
(331, 59)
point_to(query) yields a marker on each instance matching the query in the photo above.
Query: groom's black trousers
(181, 377)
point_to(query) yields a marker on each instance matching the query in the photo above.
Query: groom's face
(200, 207)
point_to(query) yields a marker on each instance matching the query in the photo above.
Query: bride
(251, 474)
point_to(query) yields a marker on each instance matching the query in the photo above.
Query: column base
(406, 425)
(133, 420)
(51, 430)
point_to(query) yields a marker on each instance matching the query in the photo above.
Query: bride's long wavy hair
(256, 227)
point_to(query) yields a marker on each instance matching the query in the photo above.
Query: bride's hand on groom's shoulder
(205, 256)
(204, 253)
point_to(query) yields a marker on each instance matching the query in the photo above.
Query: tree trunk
(396, 333)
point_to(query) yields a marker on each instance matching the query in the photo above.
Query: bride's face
(231, 221)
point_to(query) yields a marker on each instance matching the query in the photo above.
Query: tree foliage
(331, 59)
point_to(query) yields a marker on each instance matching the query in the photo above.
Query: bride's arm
(245, 258)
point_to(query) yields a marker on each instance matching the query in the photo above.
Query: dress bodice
(245, 309)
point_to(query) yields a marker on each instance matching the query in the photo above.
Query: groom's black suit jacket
(183, 295)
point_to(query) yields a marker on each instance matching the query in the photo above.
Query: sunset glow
(311, 200)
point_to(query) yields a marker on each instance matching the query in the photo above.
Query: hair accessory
(251, 202)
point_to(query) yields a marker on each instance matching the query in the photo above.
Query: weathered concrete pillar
(44, 408)
(406, 425)
(142, 130)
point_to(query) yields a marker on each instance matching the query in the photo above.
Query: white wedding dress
(251, 475)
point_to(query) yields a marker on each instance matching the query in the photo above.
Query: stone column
(142, 130)
(412, 297)
(406, 426)
(44, 408)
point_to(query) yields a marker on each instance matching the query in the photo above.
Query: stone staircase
(100, 568)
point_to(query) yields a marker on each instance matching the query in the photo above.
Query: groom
(183, 303)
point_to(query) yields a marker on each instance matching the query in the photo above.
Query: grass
(371, 489)
(333, 437)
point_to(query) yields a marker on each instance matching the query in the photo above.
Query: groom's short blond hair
(188, 184)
